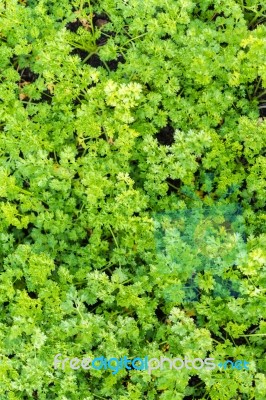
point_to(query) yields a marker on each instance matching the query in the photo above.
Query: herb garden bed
(132, 198)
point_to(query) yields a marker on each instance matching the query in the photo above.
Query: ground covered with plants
(132, 196)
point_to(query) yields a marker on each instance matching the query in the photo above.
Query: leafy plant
(132, 195)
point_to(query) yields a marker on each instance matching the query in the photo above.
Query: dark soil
(73, 26)
(166, 135)
(160, 314)
(46, 96)
(95, 61)
(33, 295)
(173, 182)
(26, 75)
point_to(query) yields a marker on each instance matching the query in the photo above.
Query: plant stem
(25, 191)
(81, 5)
(105, 268)
(136, 37)
(91, 23)
(115, 243)
(123, 54)
(88, 56)
(262, 94)
(107, 139)
(254, 20)
(106, 66)
(254, 334)
(114, 237)
(77, 308)
(257, 87)
(173, 186)
(99, 397)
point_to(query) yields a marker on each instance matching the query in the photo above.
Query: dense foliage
(132, 195)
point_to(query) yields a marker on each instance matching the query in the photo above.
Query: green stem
(114, 237)
(25, 191)
(254, 334)
(105, 268)
(77, 308)
(88, 56)
(136, 37)
(115, 243)
(123, 54)
(99, 397)
(257, 16)
(81, 5)
(105, 34)
(260, 21)
(106, 137)
(232, 340)
(257, 87)
(91, 22)
(128, 280)
(106, 66)
(173, 186)
(28, 102)
(216, 341)
(262, 94)
(84, 151)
